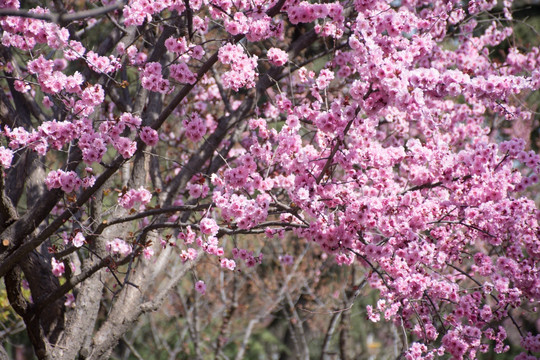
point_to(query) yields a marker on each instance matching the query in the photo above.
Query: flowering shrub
(376, 130)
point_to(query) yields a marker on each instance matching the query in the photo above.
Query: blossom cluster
(26, 33)
(6, 156)
(181, 73)
(152, 79)
(379, 153)
(277, 56)
(68, 181)
(118, 246)
(134, 196)
(58, 267)
(195, 127)
(242, 73)
(93, 144)
(247, 256)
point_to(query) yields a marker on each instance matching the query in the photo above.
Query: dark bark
(42, 282)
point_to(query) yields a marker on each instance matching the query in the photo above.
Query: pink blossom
(78, 240)
(58, 267)
(242, 73)
(70, 300)
(152, 79)
(132, 121)
(195, 127)
(190, 254)
(181, 73)
(149, 136)
(21, 86)
(200, 286)
(134, 196)
(74, 50)
(6, 156)
(381, 152)
(125, 147)
(67, 181)
(118, 247)
(228, 264)
(178, 46)
(286, 259)
(93, 95)
(324, 79)
(148, 252)
(88, 181)
(209, 227)
(277, 56)
(197, 52)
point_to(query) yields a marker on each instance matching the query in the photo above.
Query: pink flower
(58, 267)
(197, 52)
(195, 127)
(6, 156)
(277, 56)
(118, 246)
(78, 240)
(200, 286)
(68, 181)
(209, 226)
(93, 95)
(148, 252)
(74, 50)
(132, 121)
(190, 254)
(178, 46)
(70, 300)
(181, 73)
(243, 67)
(149, 136)
(88, 181)
(286, 259)
(324, 79)
(133, 196)
(228, 264)
(21, 86)
(125, 147)
(152, 79)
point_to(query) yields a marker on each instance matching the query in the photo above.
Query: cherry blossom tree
(139, 137)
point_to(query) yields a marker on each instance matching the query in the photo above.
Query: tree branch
(63, 18)
(434, 185)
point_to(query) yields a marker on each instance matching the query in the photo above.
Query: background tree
(149, 140)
